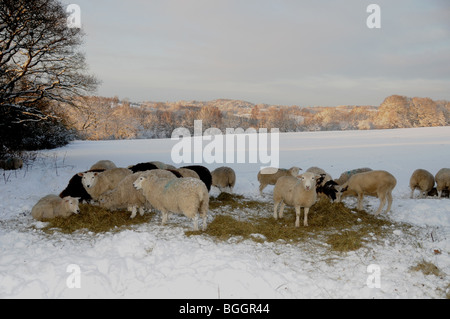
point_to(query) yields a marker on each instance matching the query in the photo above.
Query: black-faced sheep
(372, 183)
(297, 192)
(442, 180)
(270, 175)
(203, 173)
(99, 183)
(52, 206)
(347, 174)
(223, 177)
(76, 189)
(103, 165)
(423, 180)
(187, 196)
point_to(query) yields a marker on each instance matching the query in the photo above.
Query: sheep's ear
(344, 189)
(80, 174)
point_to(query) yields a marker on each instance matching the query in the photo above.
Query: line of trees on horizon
(105, 118)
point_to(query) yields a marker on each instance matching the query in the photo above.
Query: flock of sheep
(185, 190)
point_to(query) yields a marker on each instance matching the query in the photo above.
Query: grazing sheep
(99, 183)
(52, 206)
(298, 192)
(125, 196)
(423, 180)
(442, 180)
(104, 165)
(372, 183)
(270, 175)
(433, 192)
(76, 189)
(346, 175)
(203, 173)
(187, 196)
(140, 167)
(223, 177)
(11, 163)
(328, 189)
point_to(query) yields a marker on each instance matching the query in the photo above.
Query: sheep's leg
(389, 198)
(195, 222)
(261, 187)
(439, 191)
(382, 198)
(360, 201)
(297, 216)
(412, 193)
(305, 220)
(141, 211)
(133, 211)
(282, 209)
(275, 213)
(165, 214)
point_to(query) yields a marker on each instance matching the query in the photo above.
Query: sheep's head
(72, 204)
(88, 179)
(308, 180)
(294, 170)
(340, 191)
(138, 183)
(329, 188)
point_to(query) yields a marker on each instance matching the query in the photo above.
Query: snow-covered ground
(151, 261)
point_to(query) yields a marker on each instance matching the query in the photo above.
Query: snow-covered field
(151, 261)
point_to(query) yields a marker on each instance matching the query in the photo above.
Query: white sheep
(223, 177)
(320, 171)
(97, 183)
(103, 164)
(347, 174)
(423, 180)
(442, 180)
(373, 183)
(52, 206)
(298, 192)
(125, 196)
(270, 175)
(186, 195)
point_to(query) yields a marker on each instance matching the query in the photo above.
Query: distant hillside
(109, 118)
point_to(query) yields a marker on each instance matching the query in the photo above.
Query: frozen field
(151, 261)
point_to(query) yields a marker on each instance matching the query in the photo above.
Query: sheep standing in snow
(298, 192)
(99, 183)
(188, 196)
(223, 177)
(270, 175)
(347, 174)
(373, 183)
(423, 180)
(442, 180)
(103, 165)
(125, 196)
(52, 206)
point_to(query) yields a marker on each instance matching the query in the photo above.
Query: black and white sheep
(298, 192)
(270, 175)
(223, 177)
(52, 206)
(373, 183)
(187, 195)
(422, 180)
(76, 189)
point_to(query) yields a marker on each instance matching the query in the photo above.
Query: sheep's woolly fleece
(153, 261)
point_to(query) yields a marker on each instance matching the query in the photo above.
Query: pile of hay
(342, 228)
(95, 219)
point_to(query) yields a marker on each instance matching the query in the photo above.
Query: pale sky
(289, 52)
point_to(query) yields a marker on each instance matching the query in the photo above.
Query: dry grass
(95, 219)
(343, 229)
(340, 228)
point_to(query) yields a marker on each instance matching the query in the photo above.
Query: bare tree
(40, 61)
